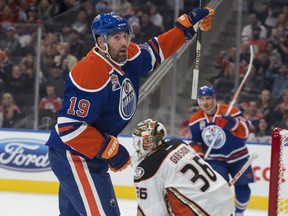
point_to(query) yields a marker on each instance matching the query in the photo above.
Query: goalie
(172, 179)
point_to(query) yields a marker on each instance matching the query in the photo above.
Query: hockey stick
(243, 169)
(235, 98)
(197, 60)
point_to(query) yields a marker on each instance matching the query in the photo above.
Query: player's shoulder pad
(224, 107)
(133, 51)
(92, 73)
(199, 114)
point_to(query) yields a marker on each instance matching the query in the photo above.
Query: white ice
(27, 204)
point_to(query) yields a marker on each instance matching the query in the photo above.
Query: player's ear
(100, 42)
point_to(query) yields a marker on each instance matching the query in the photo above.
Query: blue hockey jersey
(230, 145)
(100, 98)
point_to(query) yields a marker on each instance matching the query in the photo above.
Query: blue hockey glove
(121, 160)
(190, 22)
(116, 154)
(227, 122)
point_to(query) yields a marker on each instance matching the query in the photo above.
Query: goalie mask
(108, 23)
(147, 136)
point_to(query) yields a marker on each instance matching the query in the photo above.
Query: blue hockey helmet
(107, 23)
(206, 91)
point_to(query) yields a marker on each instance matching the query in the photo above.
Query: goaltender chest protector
(150, 165)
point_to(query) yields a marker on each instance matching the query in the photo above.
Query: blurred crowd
(66, 39)
(264, 98)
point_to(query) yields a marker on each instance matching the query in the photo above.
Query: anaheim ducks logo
(138, 173)
(212, 132)
(128, 100)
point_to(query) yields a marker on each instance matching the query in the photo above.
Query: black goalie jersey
(174, 180)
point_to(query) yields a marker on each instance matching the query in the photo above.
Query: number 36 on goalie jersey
(176, 181)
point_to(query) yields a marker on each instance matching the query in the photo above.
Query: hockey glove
(190, 22)
(121, 160)
(227, 122)
(116, 154)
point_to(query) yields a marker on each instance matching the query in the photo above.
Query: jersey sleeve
(242, 131)
(84, 100)
(158, 49)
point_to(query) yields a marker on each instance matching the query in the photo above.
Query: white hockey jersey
(176, 181)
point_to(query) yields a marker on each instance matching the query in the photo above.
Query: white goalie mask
(148, 135)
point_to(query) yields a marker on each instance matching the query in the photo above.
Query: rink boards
(24, 167)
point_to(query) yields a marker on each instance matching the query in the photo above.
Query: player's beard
(118, 55)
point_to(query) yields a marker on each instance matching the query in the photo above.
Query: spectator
(266, 105)
(8, 16)
(253, 115)
(262, 132)
(6, 64)
(80, 25)
(51, 101)
(101, 7)
(155, 17)
(247, 30)
(262, 63)
(77, 46)
(17, 83)
(65, 59)
(11, 112)
(58, 7)
(32, 15)
(281, 109)
(149, 30)
(280, 80)
(254, 85)
(56, 78)
(225, 84)
(263, 12)
(274, 55)
(137, 32)
(257, 43)
(10, 44)
(44, 10)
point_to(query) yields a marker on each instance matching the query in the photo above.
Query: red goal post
(278, 185)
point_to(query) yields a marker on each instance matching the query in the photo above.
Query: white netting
(283, 175)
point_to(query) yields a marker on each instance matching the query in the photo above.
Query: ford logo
(24, 155)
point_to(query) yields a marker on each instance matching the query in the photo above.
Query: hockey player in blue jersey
(229, 152)
(100, 98)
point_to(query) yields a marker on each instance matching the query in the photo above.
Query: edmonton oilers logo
(127, 105)
(24, 155)
(211, 133)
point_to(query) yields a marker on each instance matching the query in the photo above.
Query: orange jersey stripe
(183, 206)
(176, 40)
(85, 185)
(88, 143)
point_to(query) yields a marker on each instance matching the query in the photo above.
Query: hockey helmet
(107, 23)
(206, 91)
(147, 136)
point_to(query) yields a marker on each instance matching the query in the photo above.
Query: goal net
(278, 185)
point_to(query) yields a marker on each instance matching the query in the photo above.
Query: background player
(229, 153)
(100, 98)
(172, 179)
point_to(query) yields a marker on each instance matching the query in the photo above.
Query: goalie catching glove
(190, 22)
(227, 122)
(116, 154)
